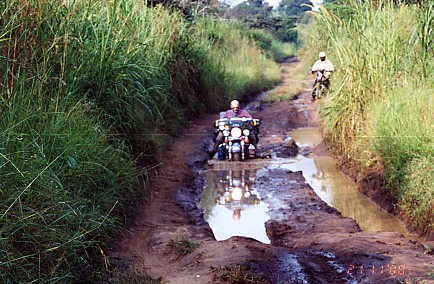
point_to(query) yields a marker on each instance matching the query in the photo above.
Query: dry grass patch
(236, 274)
(182, 247)
(294, 83)
(134, 277)
(286, 91)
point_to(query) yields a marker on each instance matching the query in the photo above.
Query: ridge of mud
(310, 241)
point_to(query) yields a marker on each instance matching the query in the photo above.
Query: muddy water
(336, 189)
(233, 206)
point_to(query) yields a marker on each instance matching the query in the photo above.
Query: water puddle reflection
(306, 137)
(336, 189)
(232, 207)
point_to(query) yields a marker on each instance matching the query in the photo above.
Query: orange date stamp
(388, 269)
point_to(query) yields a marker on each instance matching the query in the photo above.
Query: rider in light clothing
(322, 64)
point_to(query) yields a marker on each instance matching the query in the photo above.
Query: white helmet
(322, 54)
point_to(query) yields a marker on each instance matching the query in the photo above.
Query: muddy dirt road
(310, 242)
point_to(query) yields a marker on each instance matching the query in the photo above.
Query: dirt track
(310, 241)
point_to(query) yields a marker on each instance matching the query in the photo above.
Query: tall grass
(380, 54)
(84, 87)
(372, 51)
(123, 64)
(61, 183)
(282, 50)
(274, 48)
(403, 136)
(247, 68)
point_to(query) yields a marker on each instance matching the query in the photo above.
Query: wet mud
(309, 241)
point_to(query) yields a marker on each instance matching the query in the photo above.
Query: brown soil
(310, 241)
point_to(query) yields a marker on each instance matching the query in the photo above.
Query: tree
(284, 28)
(293, 7)
(250, 11)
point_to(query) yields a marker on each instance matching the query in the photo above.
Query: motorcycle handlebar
(255, 121)
(322, 70)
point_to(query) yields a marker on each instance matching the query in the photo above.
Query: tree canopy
(294, 7)
(280, 22)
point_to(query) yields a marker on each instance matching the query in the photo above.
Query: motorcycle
(236, 144)
(322, 83)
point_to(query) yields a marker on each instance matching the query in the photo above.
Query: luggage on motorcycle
(221, 152)
(252, 151)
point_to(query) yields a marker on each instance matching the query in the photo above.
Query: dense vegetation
(380, 112)
(87, 89)
(90, 90)
(279, 21)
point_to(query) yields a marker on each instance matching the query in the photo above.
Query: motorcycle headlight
(221, 125)
(226, 132)
(236, 132)
(246, 132)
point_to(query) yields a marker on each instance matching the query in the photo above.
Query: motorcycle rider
(322, 64)
(234, 111)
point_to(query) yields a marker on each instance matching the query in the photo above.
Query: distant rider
(322, 64)
(235, 111)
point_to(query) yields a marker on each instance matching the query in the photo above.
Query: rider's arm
(330, 67)
(244, 113)
(315, 66)
(227, 114)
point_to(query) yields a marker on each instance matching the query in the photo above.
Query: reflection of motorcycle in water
(235, 191)
(240, 138)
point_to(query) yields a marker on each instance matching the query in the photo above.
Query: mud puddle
(234, 204)
(338, 190)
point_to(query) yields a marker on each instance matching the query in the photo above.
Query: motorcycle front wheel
(236, 156)
(320, 93)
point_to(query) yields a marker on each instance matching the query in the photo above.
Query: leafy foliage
(254, 13)
(258, 15)
(294, 7)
